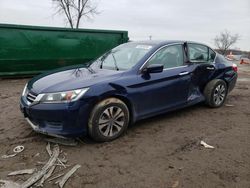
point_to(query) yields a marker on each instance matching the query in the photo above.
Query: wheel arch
(128, 104)
(217, 78)
(123, 99)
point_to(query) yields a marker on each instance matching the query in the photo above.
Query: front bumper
(59, 120)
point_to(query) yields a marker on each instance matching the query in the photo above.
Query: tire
(215, 93)
(108, 120)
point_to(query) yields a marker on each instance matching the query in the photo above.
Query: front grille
(31, 97)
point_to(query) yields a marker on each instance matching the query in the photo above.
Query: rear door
(201, 65)
(201, 68)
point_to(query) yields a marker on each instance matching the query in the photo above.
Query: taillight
(235, 67)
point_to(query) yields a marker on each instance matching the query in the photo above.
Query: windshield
(123, 57)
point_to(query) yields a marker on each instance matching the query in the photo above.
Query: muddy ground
(159, 152)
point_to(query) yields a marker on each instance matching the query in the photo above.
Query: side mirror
(154, 68)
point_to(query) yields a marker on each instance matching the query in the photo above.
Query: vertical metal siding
(30, 49)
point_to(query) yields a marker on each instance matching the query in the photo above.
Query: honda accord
(133, 81)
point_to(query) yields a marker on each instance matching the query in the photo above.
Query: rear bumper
(59, 120)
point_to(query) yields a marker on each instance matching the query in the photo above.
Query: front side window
(198, 53)
(169, 57)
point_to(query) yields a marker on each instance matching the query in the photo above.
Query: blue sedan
(133, 81)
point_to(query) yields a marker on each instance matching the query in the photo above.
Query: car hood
(70, 79)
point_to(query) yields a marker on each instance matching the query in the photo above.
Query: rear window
(198, 53)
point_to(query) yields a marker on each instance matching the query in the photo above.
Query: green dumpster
(29, 50)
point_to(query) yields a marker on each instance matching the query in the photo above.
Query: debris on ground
(46, 176)
(48, 149)
(39, 177)
(80, 140)
(68, 175)
(206, 145)
(175, 184)
(229, 105)
(63, 141)
(56, 164)
(9, 156)
(16, 150)
(170, 166)
(9, 184)
(50, 154)
(21, 172)
(55, 177)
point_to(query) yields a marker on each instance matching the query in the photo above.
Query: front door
(165, 90)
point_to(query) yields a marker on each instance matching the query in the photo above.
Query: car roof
(163, 42)
(156, 42)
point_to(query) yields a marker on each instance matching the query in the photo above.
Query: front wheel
(108, 120)
(215, 93)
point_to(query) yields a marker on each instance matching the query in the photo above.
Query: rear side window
(169, 57)
(198, 53)
(211, 56)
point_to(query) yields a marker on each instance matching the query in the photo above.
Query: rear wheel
(108, 120)
(215, 93)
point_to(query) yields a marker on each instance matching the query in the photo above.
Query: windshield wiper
(115, 62)
(88, 67)
(105, 56)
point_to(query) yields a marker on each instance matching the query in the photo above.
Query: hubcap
(219, 94)
(111, 121)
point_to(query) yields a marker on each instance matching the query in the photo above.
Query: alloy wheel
(219, 94)
(111, 121)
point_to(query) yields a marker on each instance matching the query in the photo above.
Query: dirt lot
(159, 152)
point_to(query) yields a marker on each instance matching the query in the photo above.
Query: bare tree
(75, 10)
(225, 40)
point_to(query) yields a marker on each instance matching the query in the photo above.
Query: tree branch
(225, 40)
(75, 10)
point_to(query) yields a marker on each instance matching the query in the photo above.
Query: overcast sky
(196, 20)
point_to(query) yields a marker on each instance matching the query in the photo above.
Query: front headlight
(25, 90)
(66, 96)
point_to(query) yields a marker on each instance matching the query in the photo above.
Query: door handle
(210, 68)
(183, 73)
